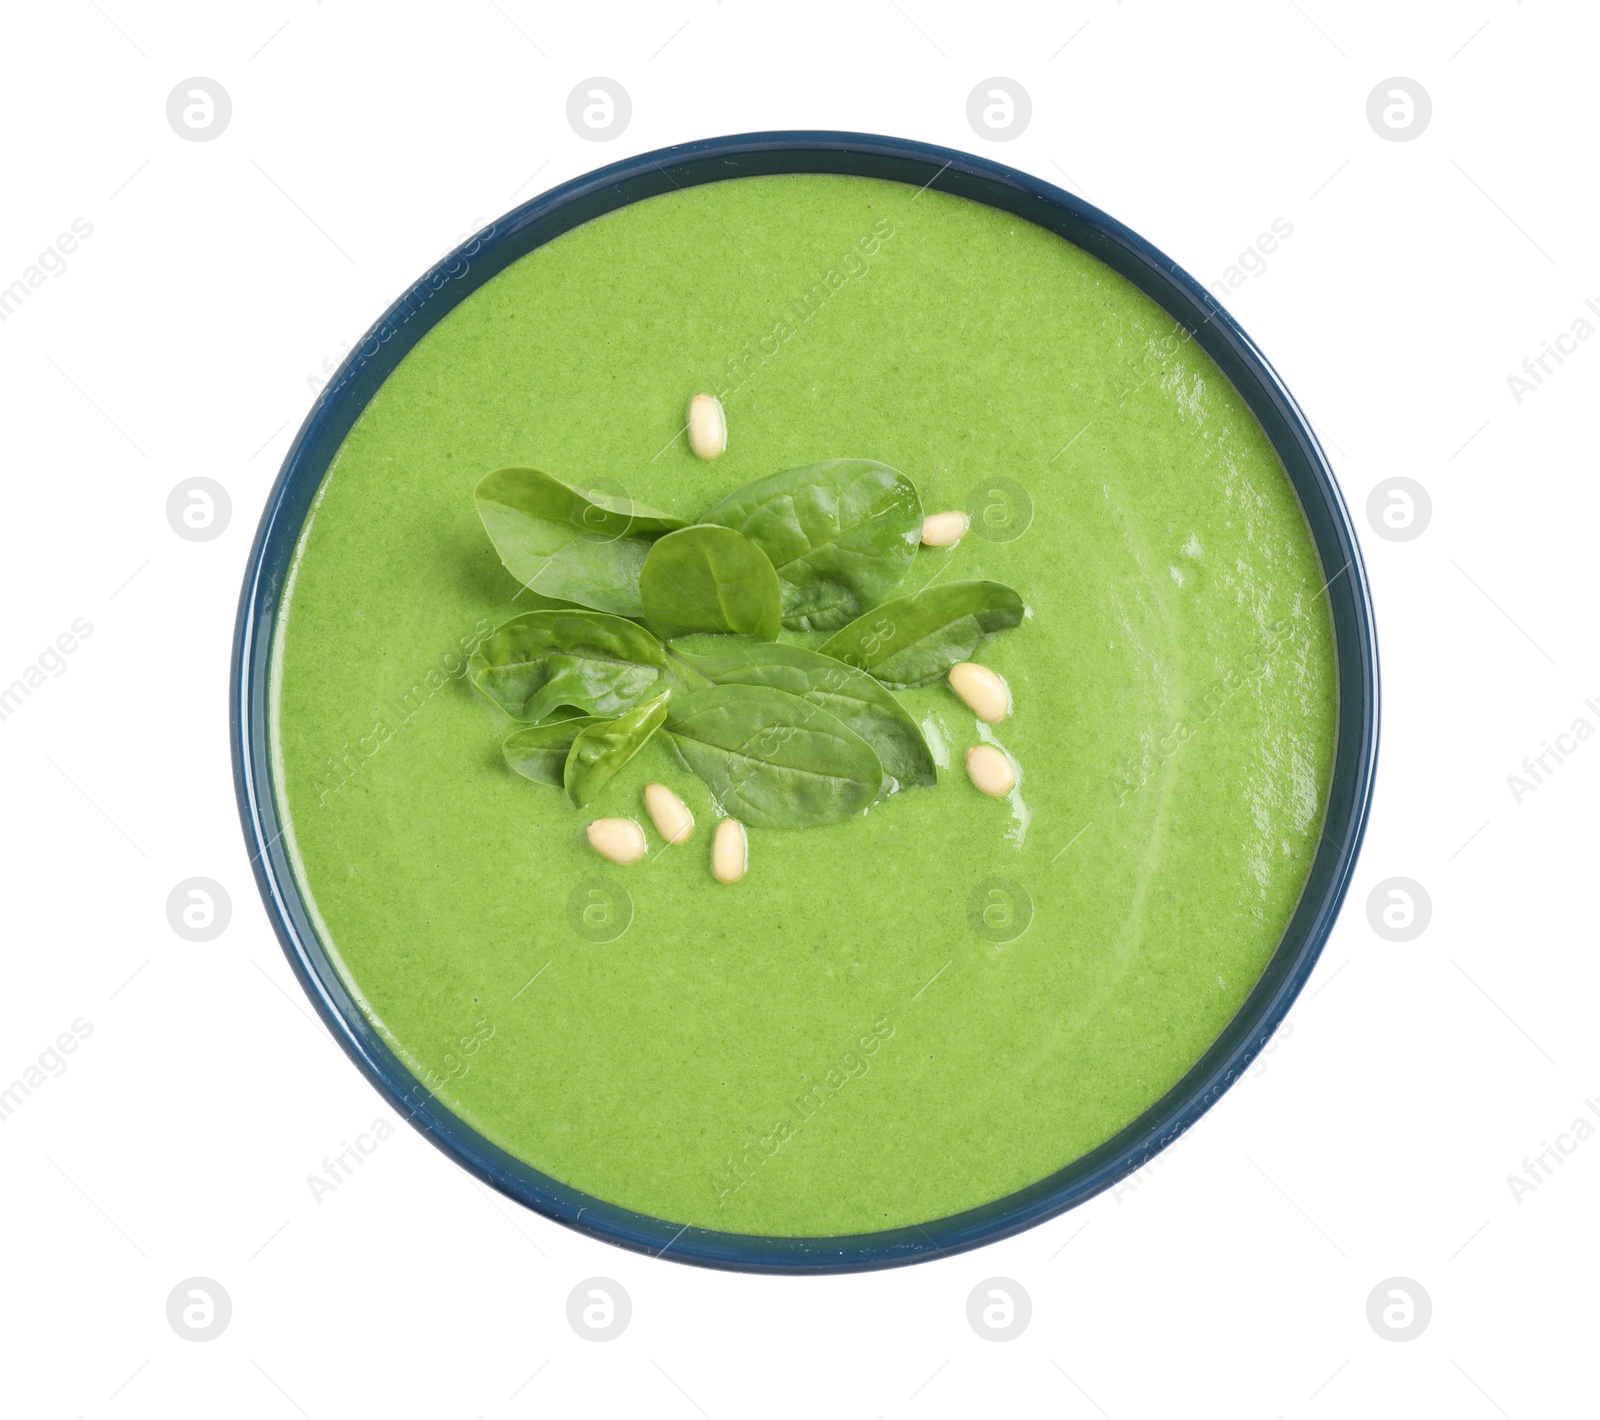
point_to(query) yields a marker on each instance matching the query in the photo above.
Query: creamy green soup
(920, 1009)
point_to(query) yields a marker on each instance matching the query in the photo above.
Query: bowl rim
(1196, 315)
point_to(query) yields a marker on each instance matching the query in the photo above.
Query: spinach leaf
(772, 760)
(841, 534)
(914, 640)
(602, 749)
(568, 544)
(709, 578)
(542, 660)
(539, 752)
(853, 697)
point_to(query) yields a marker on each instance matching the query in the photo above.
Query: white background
(1374, 1141)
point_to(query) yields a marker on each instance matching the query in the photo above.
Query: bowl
(921, 166)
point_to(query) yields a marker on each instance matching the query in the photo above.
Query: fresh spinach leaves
(914, 640)
(708, 578)
(853, 697)
(782, 735)
(543, 660)
(539, 752)
(841, 535)
(601, 749)
(562, 542)
(773, 760)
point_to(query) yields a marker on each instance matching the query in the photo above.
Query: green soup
(916, 1011)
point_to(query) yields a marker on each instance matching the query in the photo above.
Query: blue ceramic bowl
(919, 165)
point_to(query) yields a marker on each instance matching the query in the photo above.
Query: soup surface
(916, 1011)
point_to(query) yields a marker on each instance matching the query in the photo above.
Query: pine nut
(669, 813)
(730, 851)
(987, 696)
(990, 771)
(944, 529)
(708, 426)
(619, 839)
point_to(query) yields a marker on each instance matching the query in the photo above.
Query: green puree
(839, 1043)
